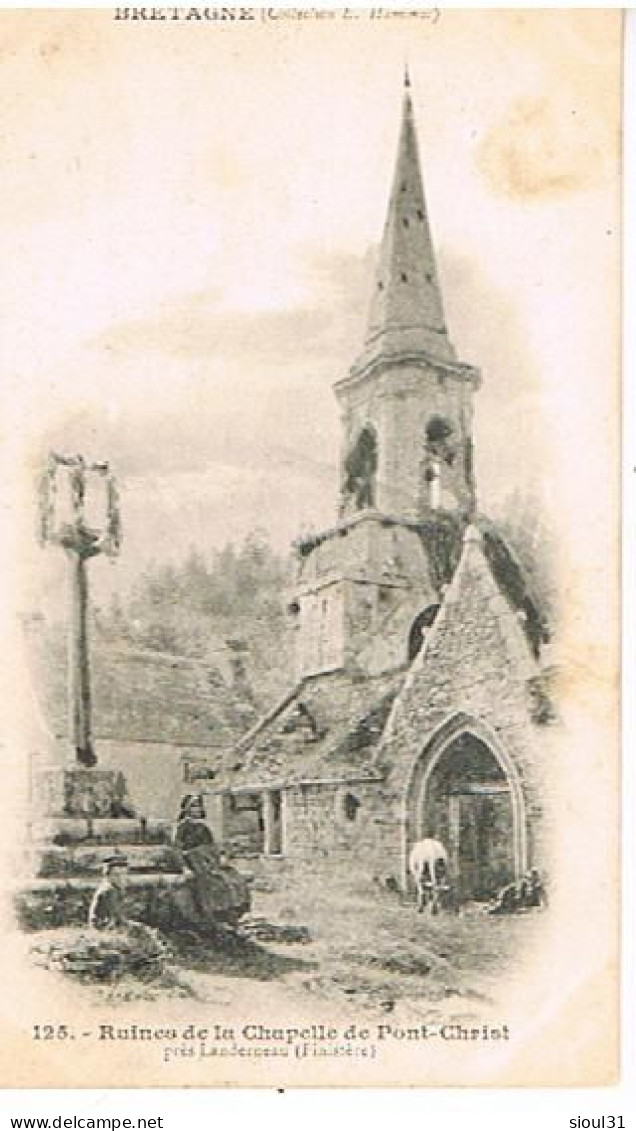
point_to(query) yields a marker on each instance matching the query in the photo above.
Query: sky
(188, 247)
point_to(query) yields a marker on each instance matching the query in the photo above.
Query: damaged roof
(139, 696)
(327, 728)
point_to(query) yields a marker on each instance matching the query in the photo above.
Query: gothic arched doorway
(465, 792)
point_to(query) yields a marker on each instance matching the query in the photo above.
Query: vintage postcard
(311, 512)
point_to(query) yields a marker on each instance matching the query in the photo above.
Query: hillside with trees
(226, 610)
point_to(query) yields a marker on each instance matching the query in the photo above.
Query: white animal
(428, 865)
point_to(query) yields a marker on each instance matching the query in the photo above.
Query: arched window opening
(360, 470)
(419, 628)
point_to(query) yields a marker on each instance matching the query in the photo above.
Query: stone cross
(69, 488)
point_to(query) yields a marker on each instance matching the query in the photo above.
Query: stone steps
(50, 860)
(73, 834)
(41, 904)
(63, 831)
(57, 885)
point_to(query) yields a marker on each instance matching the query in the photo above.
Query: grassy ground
(336, 938)
(371, 946)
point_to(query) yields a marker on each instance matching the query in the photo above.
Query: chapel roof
(326, 730)
(138, 695)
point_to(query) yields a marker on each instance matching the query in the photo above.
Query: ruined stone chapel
(416, 707)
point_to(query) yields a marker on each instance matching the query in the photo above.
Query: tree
(234, 600)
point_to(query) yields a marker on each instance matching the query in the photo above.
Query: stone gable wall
(476, 665)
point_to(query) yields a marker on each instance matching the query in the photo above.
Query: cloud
(543, 149)
(196, 325)
(193, 385)
(246, 397)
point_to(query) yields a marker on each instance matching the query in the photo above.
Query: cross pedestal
(72, 791)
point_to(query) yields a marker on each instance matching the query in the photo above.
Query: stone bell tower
(406, 468)
(407, 402)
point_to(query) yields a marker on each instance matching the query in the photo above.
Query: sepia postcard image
(311, 407)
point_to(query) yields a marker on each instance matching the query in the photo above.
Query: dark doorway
(468, 806)
(274, 823)
(245, 824)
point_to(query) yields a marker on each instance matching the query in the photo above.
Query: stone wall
(357, 593)
(334, 820)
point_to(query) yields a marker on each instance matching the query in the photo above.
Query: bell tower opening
(440, 457)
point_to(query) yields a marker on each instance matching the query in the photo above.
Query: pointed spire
(406, 312)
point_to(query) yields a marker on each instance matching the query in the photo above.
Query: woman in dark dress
(192, 831)
(219, 892)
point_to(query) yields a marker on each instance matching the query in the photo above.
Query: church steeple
(406, 471)
(406, 313)
(406, 403)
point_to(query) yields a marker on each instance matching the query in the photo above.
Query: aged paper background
(168, 182)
